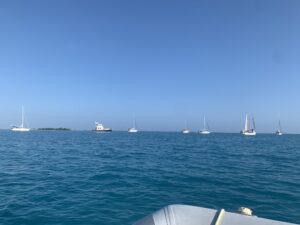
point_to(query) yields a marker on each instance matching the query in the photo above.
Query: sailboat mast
(246, 123)
(279, 125)
(204, 123)
(253, 122)
(22, 124)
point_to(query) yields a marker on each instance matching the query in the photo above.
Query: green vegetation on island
(49, 128)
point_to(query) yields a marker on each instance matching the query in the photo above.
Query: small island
(49, 128)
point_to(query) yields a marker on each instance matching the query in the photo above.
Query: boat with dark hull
(100, 128)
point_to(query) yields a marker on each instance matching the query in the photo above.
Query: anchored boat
(100, 128)
(192, 215)
(185, 130)
(205, 129)
(279, 130)
(21, 128)
(249, 130)
(133, 129)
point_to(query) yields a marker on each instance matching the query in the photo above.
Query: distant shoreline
(49, 128)
(143, 131)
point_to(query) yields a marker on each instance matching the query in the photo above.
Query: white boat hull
(249, 133)
(204, 132)
(185, 131)
(132, 130)
(20, 129)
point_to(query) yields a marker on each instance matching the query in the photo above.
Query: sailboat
(133, 129)
(279, 130)
(21, 127)
(185, 130)
(205, 129)
(249, 130)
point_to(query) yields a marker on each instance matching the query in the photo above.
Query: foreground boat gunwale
(177, 214)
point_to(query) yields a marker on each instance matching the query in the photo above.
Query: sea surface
(83, 177)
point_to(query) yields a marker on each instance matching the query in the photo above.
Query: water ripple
(117, 178)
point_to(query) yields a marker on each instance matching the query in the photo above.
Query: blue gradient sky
(71, 63)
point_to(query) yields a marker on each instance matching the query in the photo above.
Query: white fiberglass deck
(191, 215)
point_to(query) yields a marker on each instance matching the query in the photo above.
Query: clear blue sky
(71, 63)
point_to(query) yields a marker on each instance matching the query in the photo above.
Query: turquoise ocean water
(61, 177)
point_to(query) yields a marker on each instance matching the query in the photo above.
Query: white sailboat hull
(185, 131)
(20, 129)
(132, 130)
(204, 132)
(249, 133)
